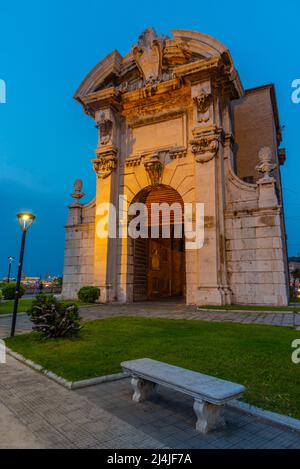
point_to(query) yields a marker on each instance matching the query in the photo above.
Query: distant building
(294, 264)
(30, 282)
(294, 280)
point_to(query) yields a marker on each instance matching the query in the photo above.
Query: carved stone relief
(105, 127)
(154, 169)
(206, 144)
(147, 54)
(203, 101)
(104, 165)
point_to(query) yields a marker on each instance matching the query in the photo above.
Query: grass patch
(292, 309)
(7, 306)
(294, 300)
(25, 304)
(258, 357)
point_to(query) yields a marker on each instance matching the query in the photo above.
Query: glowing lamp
(25, 220)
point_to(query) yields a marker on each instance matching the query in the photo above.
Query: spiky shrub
(53, 318)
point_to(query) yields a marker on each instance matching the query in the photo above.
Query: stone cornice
(197, 66)
(112, 97)
(172, 153)
(250, 212)
(122, 99)
(108, 97)
(109, 65)
(85, 225)
(157, 104)
(158, 88)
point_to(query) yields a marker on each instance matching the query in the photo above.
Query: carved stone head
(105, 129)
(202, 100)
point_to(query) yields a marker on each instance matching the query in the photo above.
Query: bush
(89, 294)
(8, 291)
(1, 296)
(43, 300)
(53, 318)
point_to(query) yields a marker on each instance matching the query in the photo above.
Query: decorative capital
(266, 165)
(206, 144)
(77, 194)
(104, 166)
(154, 169)
(106, 162)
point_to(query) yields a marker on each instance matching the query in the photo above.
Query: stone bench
(209, 393)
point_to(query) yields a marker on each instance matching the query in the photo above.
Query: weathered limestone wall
(79, 249)
(255, 258)
(255, 249)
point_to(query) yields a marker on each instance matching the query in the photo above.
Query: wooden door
(159, 271)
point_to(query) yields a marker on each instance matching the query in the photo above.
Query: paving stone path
(173, 310)
(170, 310)
(23, 325)
(46, 415)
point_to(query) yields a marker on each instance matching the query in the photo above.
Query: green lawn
(6, 307)
(295, 309)
(294, 300)
(257, 356)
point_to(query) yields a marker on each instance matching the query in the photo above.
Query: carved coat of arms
(148, 55)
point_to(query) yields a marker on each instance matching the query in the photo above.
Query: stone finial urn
(266, 165)
(77, 194)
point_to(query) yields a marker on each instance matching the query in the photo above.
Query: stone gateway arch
(175, 125)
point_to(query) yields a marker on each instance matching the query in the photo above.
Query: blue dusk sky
(46, 141)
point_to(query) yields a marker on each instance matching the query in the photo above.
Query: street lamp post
(25, 220)
(10, 261)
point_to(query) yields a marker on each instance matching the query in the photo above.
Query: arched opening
(159, 259)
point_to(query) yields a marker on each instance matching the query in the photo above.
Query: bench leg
(142, 388)
(208, 416)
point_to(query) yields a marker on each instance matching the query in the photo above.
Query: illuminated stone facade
(172, 114)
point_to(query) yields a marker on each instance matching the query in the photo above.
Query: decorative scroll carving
(203, 101)
(77, 194)
(147, 54)
(205, 149)
(105, 129)
(154, 169)
(266, 165)
(205, 146)
(106, 162)
(104, 166)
